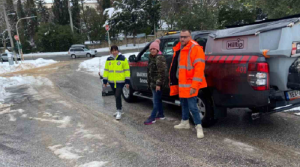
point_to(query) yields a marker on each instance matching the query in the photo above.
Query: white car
(4, 56)
(81, 52)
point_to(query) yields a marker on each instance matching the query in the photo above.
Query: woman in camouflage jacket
(156, 76)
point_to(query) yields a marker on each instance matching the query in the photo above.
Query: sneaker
(119, 115)
(149, 121)
(200, 133)
(115, 114)
(159, 117)
(183, 125)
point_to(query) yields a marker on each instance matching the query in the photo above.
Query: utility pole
(70, 14)
(9, 34)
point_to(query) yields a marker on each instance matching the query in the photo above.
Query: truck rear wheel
(206, 111)
(128, 94)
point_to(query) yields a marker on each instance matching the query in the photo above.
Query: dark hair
(184, 30)
(114, 47)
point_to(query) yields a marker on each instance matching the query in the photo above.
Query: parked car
(254, 66)
(81, 52)
(82, 46)
(4, 56)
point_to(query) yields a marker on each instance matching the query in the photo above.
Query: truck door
(138, 70)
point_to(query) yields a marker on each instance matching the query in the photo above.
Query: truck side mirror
(132, 58)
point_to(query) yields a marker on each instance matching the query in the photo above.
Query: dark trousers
(118, 92)
(157, 104)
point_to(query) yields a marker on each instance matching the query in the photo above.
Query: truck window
(168, 46)
(145, 56)
(201, 41)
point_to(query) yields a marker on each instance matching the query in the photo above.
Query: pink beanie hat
(155, 45)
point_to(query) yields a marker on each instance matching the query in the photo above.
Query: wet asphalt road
(91, 134)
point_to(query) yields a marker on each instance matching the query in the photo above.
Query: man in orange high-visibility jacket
(187, 77)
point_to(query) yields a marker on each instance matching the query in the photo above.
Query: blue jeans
(157, 104)
(190, 104)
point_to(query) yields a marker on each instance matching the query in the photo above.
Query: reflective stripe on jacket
(191, 63)
(116, 71)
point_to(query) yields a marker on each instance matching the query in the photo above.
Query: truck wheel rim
(201, 107)
(126, 92)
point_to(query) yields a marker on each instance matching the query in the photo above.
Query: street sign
(16, 37)
(107, 27)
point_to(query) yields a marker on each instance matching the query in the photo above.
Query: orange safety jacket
(190, 61)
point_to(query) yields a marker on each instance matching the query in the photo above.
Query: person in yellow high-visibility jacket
(117, 74)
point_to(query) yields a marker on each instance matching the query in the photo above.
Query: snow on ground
(106, 49)
(27, 64)
(65, 122)
(64, 152)
(94, 164)
(123, 47)
(20, 80)
(46, 54)
(94, 65)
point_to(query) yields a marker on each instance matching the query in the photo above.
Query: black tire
(207, 116)
(88, 55)
(73, 56)
(128, 96)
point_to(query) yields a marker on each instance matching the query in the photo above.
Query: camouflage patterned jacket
(156, 71)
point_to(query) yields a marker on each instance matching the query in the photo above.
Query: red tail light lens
(258, 76)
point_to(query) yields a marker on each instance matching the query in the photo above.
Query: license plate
(292, 95)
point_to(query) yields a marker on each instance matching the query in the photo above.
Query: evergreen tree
(235, 13)
(11, 15)
(31, 24)
(106, 4)
(20, 9)
(60, 12)
(43, 13)
(152, 9)
(130, 17)
(76, 14)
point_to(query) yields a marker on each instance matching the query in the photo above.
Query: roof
(255, 28)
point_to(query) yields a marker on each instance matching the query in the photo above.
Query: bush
(54, 38)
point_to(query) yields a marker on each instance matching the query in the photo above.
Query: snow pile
(27, 64)
(19, 80)
(97, 64)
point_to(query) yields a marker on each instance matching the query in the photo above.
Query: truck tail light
(258, 76)
(295, 48)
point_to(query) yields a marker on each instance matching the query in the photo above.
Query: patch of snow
(97, 64)
(11, 117)
(27, 64)
(11, 113)
(64, 152)
(64, 122)
(240, 145)
(24, 116)
(46, 54)
(64, 103)
(94, 164)
(20, 80)
(293, 109)
(87, 133)
(297, 113)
